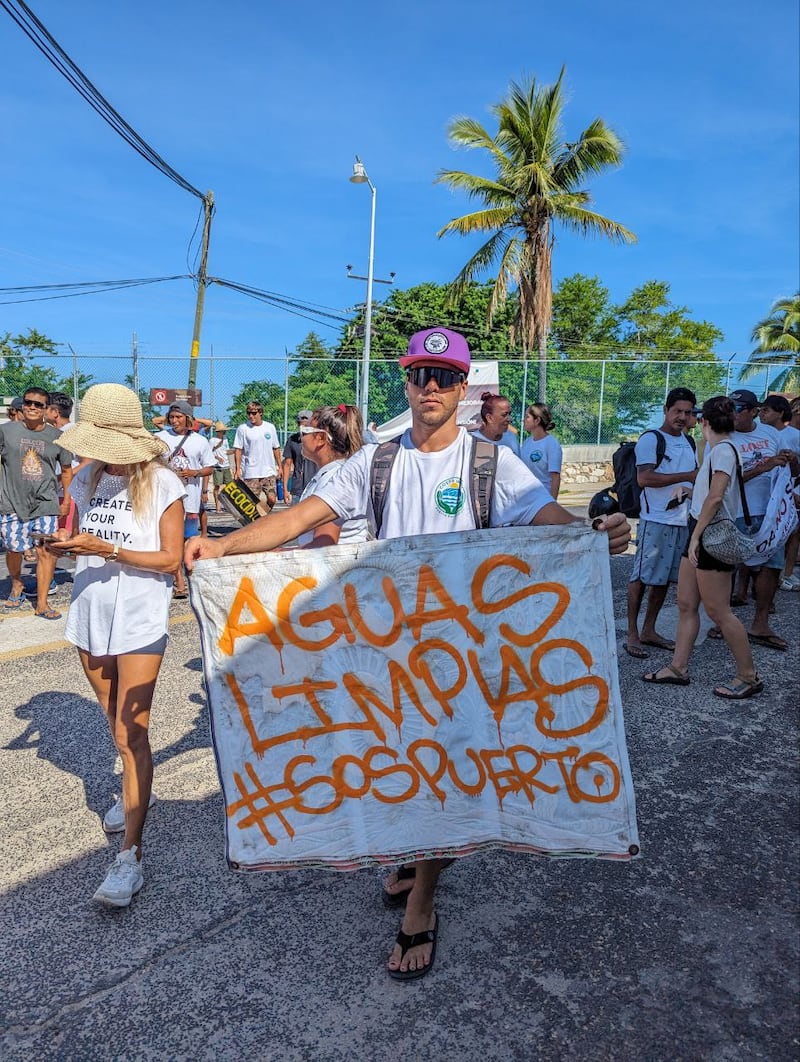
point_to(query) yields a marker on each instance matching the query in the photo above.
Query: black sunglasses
(444, 378)
(36, 405)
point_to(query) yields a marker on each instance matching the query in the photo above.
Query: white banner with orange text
(425, 696)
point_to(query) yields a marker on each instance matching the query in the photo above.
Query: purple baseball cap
(437, 346)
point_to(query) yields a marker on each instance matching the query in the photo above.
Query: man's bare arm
(264, 534)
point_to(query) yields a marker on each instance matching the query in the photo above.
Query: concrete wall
(587, 464)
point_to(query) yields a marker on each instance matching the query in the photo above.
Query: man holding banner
(428, 493)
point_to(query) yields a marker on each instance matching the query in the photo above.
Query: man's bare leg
(655, 601)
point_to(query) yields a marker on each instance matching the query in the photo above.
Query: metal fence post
(600, 409)
(524, 394)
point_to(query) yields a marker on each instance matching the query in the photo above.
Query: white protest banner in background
(429, 695)
(780, 518)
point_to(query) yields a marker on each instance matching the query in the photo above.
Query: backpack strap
(483, 463)
(484, 470)
(379, 475)
(661, 449)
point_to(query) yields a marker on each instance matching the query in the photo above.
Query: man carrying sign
(428, 492)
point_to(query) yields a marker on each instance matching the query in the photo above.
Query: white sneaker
(114, 821)
(123, 880)
(790, 582)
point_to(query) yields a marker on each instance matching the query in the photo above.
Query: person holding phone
(128, 544)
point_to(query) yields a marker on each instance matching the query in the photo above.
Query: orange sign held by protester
(384, 701)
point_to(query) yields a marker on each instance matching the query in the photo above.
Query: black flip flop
(413, 940)
(398, 899)
(636, 651)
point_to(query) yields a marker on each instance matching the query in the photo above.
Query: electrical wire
(70, 291)
(55, 54)
(314, 311)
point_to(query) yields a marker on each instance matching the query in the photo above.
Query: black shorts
(705, 562)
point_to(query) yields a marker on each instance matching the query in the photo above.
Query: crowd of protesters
(129, 505)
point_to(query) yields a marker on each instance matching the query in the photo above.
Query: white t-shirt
(188, 451)
(508, 438)
(219, 448)
(257, 442)
(349, 530)
(678, 457)
(720, 458)
(428, 493)
(542, 456)
(756, 446)
(789, 438)
(115, 607)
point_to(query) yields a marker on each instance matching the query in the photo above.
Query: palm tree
(538, 181)
(778, 338)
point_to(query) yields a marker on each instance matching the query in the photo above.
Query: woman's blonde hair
(542, 413)
(141, 485)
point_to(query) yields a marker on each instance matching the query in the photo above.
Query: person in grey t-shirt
(29, 504)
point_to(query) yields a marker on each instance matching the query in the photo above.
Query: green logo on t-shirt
(449, 497)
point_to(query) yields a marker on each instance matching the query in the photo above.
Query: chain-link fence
(592, 402)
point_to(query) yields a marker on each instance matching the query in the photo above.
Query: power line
(313, 311)
(55, 54)
(70, 291)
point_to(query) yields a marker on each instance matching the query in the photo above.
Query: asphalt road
(690, 952)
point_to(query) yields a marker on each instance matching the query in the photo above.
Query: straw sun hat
(110, 428)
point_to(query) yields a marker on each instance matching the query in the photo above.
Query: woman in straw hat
(128, 543)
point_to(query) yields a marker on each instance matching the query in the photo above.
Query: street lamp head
(359, 173)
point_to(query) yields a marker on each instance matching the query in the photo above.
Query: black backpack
(484, 468)
(626, 485)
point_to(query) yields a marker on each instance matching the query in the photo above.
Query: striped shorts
(15, 534)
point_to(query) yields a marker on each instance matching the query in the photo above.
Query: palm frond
(589, 223)
(483, 259)
(491, 191)
(479, 221)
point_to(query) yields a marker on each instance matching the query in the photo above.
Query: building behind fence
(593, 402)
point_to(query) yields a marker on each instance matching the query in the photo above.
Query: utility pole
(135, 360)
(208, 204)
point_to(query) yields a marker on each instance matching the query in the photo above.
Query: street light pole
(360, 176)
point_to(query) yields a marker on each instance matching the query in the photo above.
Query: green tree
(538, 181)
(778, 338)
(649, 345)
(20, 370)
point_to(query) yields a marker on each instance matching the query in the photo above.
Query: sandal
(398, 899)
(737, 689)
(414, 940)
(675, 677)
(48, 614)
(14, 602)
(180, 595)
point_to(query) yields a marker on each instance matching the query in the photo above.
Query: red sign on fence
(165, 396)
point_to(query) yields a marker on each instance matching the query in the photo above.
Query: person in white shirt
(190, 457)
(128, 540)
(257, 454)
(662, 535)
(760, 450)
(494, 425)
(541, 451)
(427, 493)
(703, 577)
(776, 413)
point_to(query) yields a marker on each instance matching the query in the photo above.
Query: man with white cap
(296, 468)
(190, 457)
(428, 492)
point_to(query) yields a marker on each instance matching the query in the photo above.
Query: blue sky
(267, 104)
